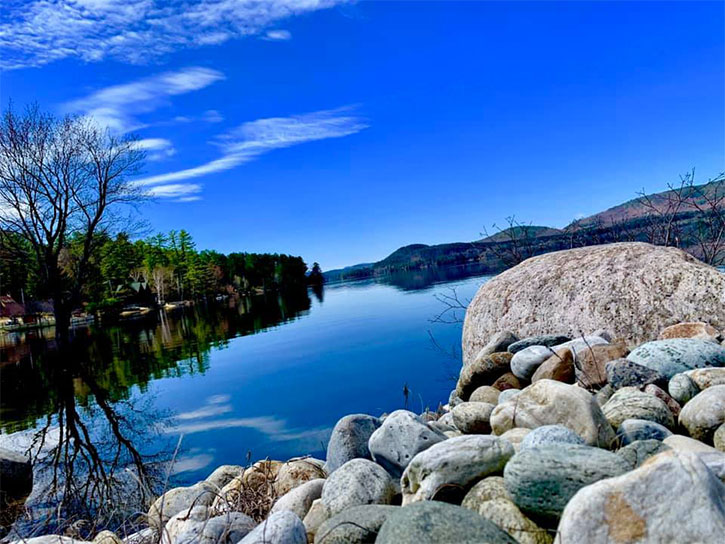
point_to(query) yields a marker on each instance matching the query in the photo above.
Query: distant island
(687, 215)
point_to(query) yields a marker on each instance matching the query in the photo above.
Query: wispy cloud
(119, 106)
(254, 138)
(134, 31)
(157, 148)
(182, 192)
(277, 35)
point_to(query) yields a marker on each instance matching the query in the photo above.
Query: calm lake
(266, 376)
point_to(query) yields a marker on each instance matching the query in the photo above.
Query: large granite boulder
(632, 289)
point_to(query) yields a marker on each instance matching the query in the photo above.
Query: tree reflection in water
(85, 417)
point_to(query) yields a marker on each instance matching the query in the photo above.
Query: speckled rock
(631, 403)
(515, 436)
(624, 373)
(401, 436)
(591, 371)
(548, 340)
(696, 329)
(718, 438)
(485, 393)
(704, 413)
(356, 525)
(432, 521)
(685, 444)
(473, 417)
(279, 528)
(316, 516)
(633, 289)
(357, 482)
(107, 537)
(525, 362)
(453, 465)
(189, 519)
(542, 480)
(349, 440)
(670, 357)
(672, 404)
(548, 435)
(548, 402)
(639, 451)
(604, 394)
(559, 367)
(483, 371)
(227, 528)
(296, 472)
(508, 395)
(490, 499)
(671, 498)
(300, 499)
(507, 381)
(224, 474)
(682, 388)
(180, 498)
(582, 344)
(631, 430)
(707, 377)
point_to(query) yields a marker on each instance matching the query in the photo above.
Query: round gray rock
(704, 413)
(349, 440)
(507, 395)
(639, 451)
(432, 521)
(631, 430)
(279, 528)
(357, 482)
(356, 525)
(548, 340)
(401, 436)
(300, 499)
(632, 289)
(473, 417)
(682, 388)
(227, 528)
(542, 480)
(631, 403)
(525, 362)
(625, 373)
(670, 357)
(548, 435)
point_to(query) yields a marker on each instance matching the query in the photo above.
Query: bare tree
(512, 244)
(664, 210)
(62, 180)
(708, 233)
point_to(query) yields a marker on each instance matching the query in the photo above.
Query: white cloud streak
(254, 138)
(119, 106)
(157, 149)
(184, 192)
(277, 35)
(37, 32)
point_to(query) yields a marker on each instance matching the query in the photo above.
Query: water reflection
(99, 447)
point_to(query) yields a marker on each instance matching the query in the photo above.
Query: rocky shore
(548, 437)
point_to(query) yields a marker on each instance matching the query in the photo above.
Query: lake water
(241, 379)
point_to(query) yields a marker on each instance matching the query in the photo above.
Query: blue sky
(340, 131)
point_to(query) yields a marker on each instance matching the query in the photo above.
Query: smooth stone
(631, 403)
(682, 388)
(507, 381)
(473, 417)
(485, 393)
(508, 395)
(631, 430)
(604, 394)
(672, 404)
(180, 498)
(559, 367)
(401, 436)
(548, 402)
(356, 525)
(718, 438)
(349, 440)
(294, 473)
(452, 466)
(279, 528)
(632, 289)
(624, 373)
(547, 340)
(542, 480)
(693, 329)
(704, 413)
(186, 520)
(670, 357)
(224, 474)
(500, 342)
(515, 436)
(50, 539)
(317, 515)
(107, 537)
(639, 451)
(671, 498)
(525, 362)
(483, 371)
(227, 528)
(591, 364)
(16, 475)
(300, 499)
(685, 444)
(490, 499)
(432, 521)
(357, 482)
(581, 344)
(453, 399)
(707, 377)
(550, 434)
(144, 536)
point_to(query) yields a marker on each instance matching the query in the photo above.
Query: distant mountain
(633, 220)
